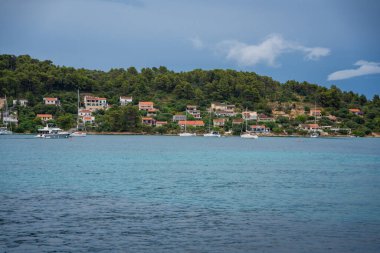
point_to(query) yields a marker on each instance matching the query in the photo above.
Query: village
(222, 117)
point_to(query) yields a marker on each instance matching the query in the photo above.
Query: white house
(125, 100)
(248, 115)
(22, 102)
(51, 101)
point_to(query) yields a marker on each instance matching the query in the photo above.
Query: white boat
(52, 133)
(78, 133)
(211, 133)
(186, 134)
(247, 134)
(314, 135)
(5, 131)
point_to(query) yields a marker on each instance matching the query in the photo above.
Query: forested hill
(32, 79)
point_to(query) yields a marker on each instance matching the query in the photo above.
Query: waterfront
(172, 194)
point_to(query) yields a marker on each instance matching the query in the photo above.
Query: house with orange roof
(264, 118)
(248, 115)
(95, 103)
(152, 112)
(315, 112)
(148, 121)
(45, 117)
(237, 121)
(356, 111)
(161, 123)
(192, 109)
(88, 119)
(309, 127)
(51, 101)
(146, 105)
(219, 122)
(195, 123)
(223, 110)
(84, 112)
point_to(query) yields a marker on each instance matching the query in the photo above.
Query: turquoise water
(173, 194)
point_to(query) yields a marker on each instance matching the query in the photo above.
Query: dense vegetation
(24, 77)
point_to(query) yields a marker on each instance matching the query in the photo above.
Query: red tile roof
(354, 110)
(146, 103)
(94, 98)
(191, 122)
(258, 126)
(44, 116)
(51, 99)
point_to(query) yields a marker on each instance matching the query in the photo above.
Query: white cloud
(316, 52)
(365, 68)
(197, 42)
(267, 51)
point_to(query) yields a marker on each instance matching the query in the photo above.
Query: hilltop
(289, 105)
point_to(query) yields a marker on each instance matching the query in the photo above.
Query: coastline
(201, 135)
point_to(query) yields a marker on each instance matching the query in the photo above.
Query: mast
(185, 119)
(209, 123)
(246, 121)
(78, 113)
(315, 112)
(6, 114)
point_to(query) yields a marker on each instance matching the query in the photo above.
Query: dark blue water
(172, 194)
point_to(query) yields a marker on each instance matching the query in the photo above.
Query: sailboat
(78, 133)
(247, 134)
(186, 134)
(315, 134)
(4, 130)
(211, 133)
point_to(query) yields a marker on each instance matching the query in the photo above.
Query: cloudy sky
(325, 42)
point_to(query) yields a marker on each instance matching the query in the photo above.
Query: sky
(326, 42)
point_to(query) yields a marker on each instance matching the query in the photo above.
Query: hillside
(22, 77)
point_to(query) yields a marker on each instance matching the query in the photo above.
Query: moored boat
(52, 133)
(4, 131)
(212, 134)
(78, 134)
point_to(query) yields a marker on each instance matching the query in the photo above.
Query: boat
(247, 134)
(49, 132)
(314, 135)
(186, 134)
(78, 133)
(5, 130)
(211, 133)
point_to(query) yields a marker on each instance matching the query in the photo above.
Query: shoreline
(201, 135)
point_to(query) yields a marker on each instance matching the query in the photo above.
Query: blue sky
(325, 42)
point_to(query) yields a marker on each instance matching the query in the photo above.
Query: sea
(120, 193)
